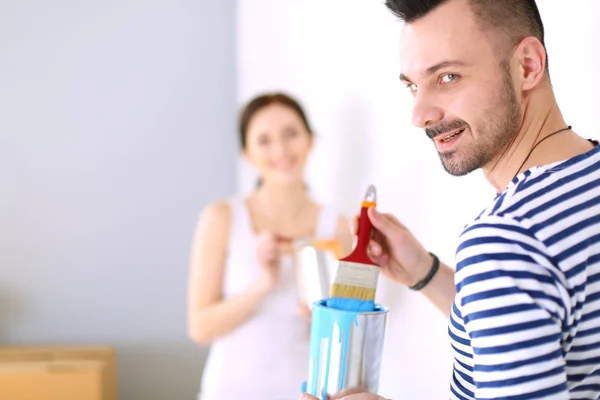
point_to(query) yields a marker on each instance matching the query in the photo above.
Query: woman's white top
(266, 358)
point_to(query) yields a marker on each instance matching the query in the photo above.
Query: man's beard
(495, 133)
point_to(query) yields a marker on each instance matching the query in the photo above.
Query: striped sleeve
(513, 306)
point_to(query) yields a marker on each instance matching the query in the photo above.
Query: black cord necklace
(536, 145)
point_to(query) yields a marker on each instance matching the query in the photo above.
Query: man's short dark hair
(515, 19)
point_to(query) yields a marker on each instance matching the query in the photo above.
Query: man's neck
(541, 118)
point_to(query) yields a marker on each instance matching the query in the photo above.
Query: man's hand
(348, 394)
(401, 256)
(404, 260)
(362, 396)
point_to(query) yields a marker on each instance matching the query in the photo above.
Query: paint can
(345, 349)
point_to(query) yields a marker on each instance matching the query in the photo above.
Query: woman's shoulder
(222, 211)
(218, 211)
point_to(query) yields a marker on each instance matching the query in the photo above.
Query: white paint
(340, 58)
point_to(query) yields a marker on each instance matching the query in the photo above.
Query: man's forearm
(441, 290)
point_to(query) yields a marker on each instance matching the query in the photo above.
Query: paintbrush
(355, 281)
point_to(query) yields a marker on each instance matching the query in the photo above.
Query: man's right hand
(404, 260)
(401, 256)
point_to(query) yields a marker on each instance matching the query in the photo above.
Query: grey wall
(117, 125)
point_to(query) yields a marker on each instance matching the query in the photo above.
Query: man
(524, 302)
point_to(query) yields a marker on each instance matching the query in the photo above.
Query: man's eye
(412, 87)
(447, 78)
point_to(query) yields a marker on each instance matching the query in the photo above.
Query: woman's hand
(305, 312)
(267, 253)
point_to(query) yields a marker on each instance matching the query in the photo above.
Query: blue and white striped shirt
(525, 323)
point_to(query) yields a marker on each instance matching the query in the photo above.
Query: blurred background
(118, 125)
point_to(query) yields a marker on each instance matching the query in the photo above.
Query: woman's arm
(209, 315)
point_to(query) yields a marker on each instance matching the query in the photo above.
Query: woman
(242, 294)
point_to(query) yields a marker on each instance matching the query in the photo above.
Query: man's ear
(531, 58)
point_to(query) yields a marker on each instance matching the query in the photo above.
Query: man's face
(464, 96)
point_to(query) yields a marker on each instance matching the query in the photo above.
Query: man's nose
(425, 111)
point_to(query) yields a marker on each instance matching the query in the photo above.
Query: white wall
(340, 57)
(114, 116)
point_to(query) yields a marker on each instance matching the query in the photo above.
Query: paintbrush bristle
(352, 292)
(355, 281)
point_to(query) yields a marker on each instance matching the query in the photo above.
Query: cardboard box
(53, 380)
(82, 372)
